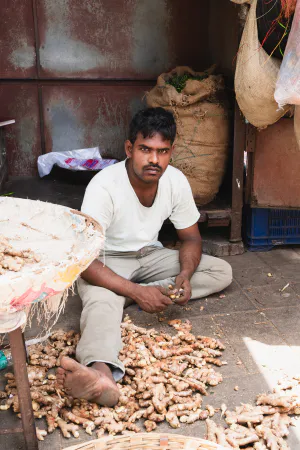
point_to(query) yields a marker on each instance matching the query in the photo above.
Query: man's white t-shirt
(128, 225)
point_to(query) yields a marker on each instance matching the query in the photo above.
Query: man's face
(149, 156)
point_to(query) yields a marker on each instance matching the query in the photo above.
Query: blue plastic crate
(267, 228)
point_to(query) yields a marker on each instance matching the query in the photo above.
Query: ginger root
(199, 414)
(88, 425)
(172, 419)
(149, 425)
(36, 373)
(272, 441)
(51, 423)
(40, 434)
(67, 428)
(260, 427)
(211, 429)
(160, 399)
(274, 400)
(165, 377)
(12, 259)
(211, 410)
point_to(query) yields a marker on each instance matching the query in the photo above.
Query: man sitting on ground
(131, 200)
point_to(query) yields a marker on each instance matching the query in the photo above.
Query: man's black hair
(150, 121)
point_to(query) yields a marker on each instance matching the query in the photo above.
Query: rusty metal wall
(96, 45)
(77, 116)
(17, 40)
(224, 31)
(276, 167)
(135, 39)
(19, 101)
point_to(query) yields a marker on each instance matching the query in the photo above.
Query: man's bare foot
(95, 384)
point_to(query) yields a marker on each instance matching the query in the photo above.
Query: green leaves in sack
(179, 81)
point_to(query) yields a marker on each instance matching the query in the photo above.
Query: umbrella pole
(18, 353)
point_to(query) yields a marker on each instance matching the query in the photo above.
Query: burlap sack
(201, 146)
(255, 77)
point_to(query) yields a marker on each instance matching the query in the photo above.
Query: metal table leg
(19, 359)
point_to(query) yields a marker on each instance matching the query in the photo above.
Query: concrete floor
(258, 323)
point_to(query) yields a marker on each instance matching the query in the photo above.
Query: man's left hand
(183, 282)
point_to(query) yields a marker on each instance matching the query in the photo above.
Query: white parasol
(64, 243)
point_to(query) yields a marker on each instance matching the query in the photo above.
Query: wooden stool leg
(18, 353)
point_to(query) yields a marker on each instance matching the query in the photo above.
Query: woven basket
(148, 441)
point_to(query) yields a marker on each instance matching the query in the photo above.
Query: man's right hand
(152, 299)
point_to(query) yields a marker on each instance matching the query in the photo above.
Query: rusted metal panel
(276, 167)
(224, 33)
(88, 115)
(117, 39)
(3, 159)
(17, 49)
(23, 140)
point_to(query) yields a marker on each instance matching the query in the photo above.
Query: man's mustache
(153, 166)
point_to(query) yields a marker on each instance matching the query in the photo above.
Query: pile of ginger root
(12, 259)
(166, 377)
(260, 427)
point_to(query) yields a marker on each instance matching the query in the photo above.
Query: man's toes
(60, 371)
(60, 374)
(109, 397)
(70, 364)
(60, 380)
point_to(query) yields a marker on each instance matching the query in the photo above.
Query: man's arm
(189, 257)
(151, 299)
(100, 275)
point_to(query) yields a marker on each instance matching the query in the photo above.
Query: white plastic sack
(288, 83)
(83, 159)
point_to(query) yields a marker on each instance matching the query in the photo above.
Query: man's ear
(128, 148)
